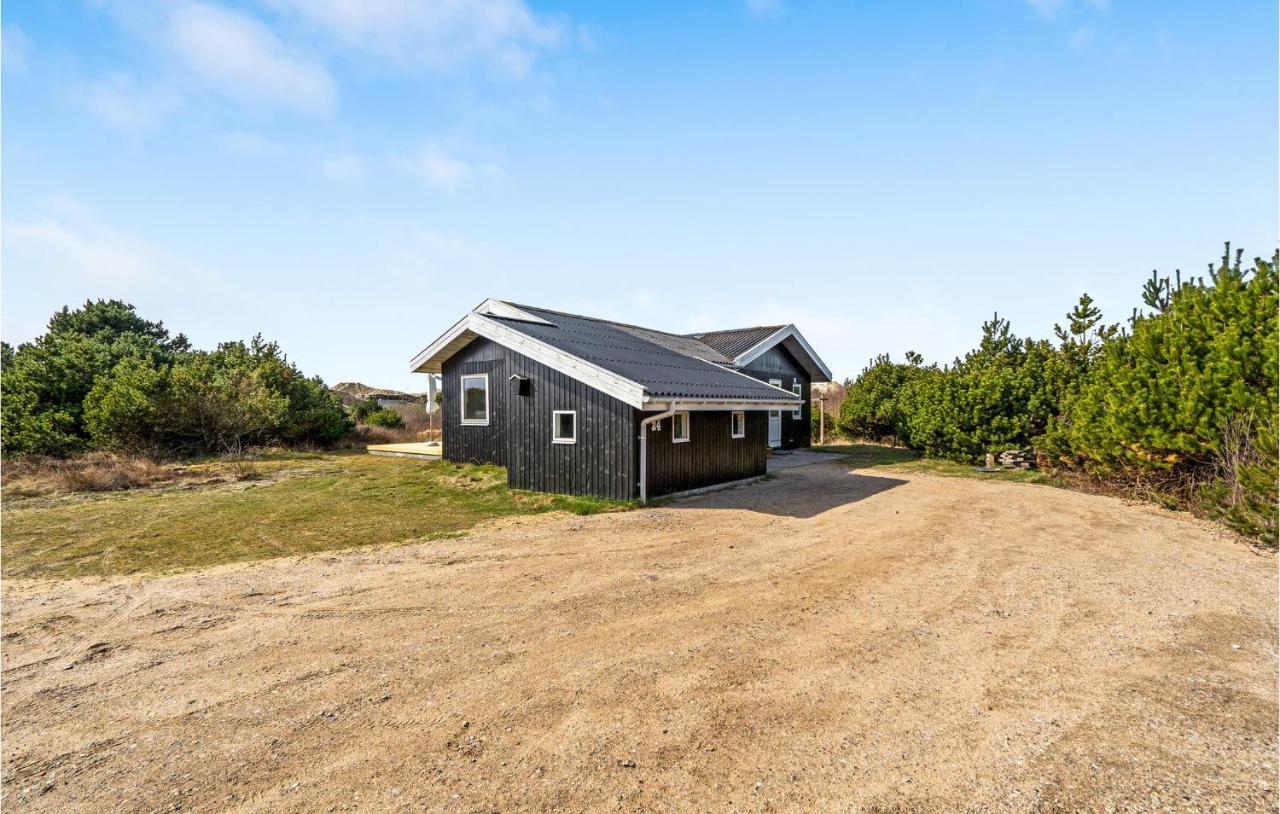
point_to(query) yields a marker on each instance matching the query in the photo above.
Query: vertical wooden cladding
(778, 363)
(601, 462)
(475, 443)
(710, 455)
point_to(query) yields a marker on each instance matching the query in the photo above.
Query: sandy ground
(825, 641)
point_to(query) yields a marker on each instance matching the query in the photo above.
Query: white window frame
(555, 427)
(683, 414)
(797, 387)
(735, 417)
(462, 399)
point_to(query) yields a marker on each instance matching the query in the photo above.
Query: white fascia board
(498, 308)
(476, 324)
(417, 364)
(785, 332)
(605, 381)
(708, 405)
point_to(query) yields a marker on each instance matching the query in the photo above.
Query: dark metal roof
(666, 365)
(733, 342)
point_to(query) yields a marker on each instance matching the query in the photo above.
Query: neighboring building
(578, 405)
(351, 392)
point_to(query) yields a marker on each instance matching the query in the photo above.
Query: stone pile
(1017, 459)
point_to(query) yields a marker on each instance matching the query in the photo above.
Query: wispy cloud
(765, 8)
(250, 144)
(240, 57)
(227, 51)
(1047, 8)
(444, 170)
(343, 166)
(14, 48)
(123, 102)
(437, 37)
(1081, 38)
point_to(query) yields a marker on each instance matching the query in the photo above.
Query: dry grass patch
(295, 504)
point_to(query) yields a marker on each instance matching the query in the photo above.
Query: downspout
(644, 446)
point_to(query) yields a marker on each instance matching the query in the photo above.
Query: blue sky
(349, 177)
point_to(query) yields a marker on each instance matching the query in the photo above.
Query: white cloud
(242, 58)
(1046, 8)
(14, 49)
(71, 253)
(765, 8)
(343, 166)
(230, 52)
(445, 36)
(250, 144)
(442, 170)
(123, 102)
(90, 252)
(1081, 38)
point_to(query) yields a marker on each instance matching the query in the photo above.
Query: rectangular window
(798, 389)
(564, 427)
(475, 399)
(737, 425)
(679, 428)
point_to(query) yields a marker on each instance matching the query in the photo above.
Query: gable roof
(637, 365)
(733, 342)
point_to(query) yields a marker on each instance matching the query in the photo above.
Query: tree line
(101, 377)
(1180, 404)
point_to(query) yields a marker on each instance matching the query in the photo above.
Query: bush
(872, 407)
(1182, 407)
(1157, 400)
(384, 417)
(103, 378)
(1243, 493)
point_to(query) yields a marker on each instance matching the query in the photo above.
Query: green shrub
(1159, 398)
(103, 378)
(872, 406)
(384, 417)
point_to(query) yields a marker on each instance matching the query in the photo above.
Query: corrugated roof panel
(666, 365)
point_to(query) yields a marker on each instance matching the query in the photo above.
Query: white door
(775, 421)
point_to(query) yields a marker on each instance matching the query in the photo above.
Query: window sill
(475, 423)
(679, 440)
(565, 442)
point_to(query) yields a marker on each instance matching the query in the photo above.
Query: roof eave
(815, 364)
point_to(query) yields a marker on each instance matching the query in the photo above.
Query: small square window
(475, 399)
(564, 427)
(679, 428)
(798, 389)
(737, 425)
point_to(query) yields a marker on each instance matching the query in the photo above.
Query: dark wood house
(586, 406)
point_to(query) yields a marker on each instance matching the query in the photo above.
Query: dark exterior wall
(469, 443)
(603, 461)
(778, 363)
(710, 456)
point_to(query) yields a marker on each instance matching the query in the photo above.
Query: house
(352, 392)
(579, 405)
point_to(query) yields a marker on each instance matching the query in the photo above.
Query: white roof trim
(498, 308)
(720, 405)
(475, 324)
(782, 334)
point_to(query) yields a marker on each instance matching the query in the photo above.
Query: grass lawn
(299, 503)
(897, 459)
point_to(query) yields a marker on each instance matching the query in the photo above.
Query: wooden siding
(603, 460)
(778, 363)
(710, 456)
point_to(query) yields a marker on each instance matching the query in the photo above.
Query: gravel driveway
(827, 640)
